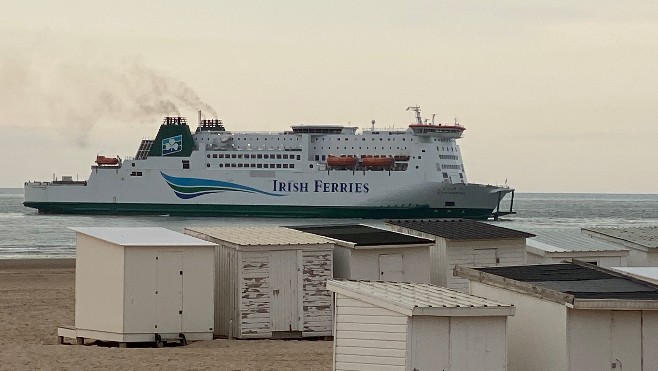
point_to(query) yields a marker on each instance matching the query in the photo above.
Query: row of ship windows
(278, 138)
(256, 156)
(361, 147)
(364, 139)
(445, 176)
(448, 157)
(445, 166)
(258, 166)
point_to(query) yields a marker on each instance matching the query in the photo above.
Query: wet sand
(37, 295)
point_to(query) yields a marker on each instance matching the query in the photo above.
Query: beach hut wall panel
(598, 258)
(131, 284)
(408, 264)
(478, 245)
(270, 282)
(603, 323)
(364, 252)
(376, 328)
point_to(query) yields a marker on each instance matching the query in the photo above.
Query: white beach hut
(573, 316)
(465, 242)
(141, 284)
(367, 253)
(554, 246)
(415, 326)
(641, 241)
(270, 282)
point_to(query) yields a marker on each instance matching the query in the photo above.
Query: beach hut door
(169, 294)
(284, 300)
(390, 267)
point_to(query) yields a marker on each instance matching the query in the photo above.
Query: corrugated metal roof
(581, 281)
(644, 236)
(253, 236)
(460, 229)
(141, 236)
(410, 297)
(554, 240)
(363, 235)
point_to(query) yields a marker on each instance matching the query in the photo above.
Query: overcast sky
(556, 96)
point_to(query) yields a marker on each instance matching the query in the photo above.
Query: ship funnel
(211, 125)
(174, 120)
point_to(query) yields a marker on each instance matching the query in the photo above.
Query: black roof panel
(460, 229)
(363, 235)
(581, 281)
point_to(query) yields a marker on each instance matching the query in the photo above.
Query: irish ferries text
(319, 186)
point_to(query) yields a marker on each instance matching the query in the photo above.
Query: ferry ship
(327, 171)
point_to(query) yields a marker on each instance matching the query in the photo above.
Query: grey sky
(557, 96)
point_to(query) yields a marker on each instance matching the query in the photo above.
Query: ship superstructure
(309, 171)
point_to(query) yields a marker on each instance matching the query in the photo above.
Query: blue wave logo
(187, 188)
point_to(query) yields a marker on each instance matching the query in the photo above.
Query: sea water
(26, 234)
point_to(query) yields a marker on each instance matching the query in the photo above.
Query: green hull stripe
(255, 210)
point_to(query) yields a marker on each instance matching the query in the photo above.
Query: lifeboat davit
(343, 160)
(377, 161)
(102, 160)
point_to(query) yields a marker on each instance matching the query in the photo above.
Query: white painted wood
(347, 366)
(430, 343)
(274, 288)
(116, 285)
(315, 306)
(369, 343)
(589, 340)
(386, 319)
(390, 267)
(537, 333)
(478, 343)
(283, 291)
(99, 284)
(626, 345)
(649, 340)
(169, 287)
(140, 299)
(373, 360)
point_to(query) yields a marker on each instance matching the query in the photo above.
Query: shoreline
(37, 263)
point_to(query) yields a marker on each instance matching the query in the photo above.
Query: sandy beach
(37, 295)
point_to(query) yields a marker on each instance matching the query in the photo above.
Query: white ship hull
(306, 187)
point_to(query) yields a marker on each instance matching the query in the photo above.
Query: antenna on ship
(373, 125)
(416, 109)
(434, 114)
(199, 123)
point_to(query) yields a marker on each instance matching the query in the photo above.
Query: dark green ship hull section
(267, 211)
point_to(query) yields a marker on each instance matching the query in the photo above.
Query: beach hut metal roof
(363, 235)
(643, 236)
(553, 240)
(419, 298)
(259, 236)
(579, 284)
(460, 229)
(141, 236)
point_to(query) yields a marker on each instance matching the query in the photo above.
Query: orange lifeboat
(377, 161)
(342, 161)
(102, 160)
